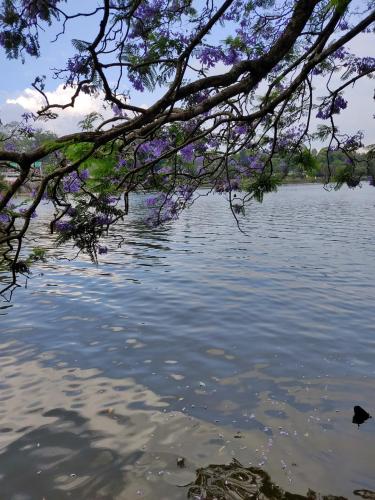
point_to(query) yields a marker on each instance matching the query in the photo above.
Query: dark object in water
(181, 462)
(369, 495)
(360, 415)
(236, 482)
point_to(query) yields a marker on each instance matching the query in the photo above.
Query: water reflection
(198, 341)
(61, 460)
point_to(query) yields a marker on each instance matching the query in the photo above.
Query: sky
(17, 95)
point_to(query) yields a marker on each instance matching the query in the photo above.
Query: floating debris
(360, 415)
(236, 481)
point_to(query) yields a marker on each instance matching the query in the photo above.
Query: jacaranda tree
(234, 82)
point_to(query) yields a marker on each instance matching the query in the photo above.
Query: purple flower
(364, 64)
(343, 25)
(77, 65)
(72, 183)
(187, 153)
(334, 108)
(152, 201)
(209, 56)
(9, 146)
(147, 10)
(63, 226)
(154, 148)
(84, 174)
(256, 164)
(102, 249)
(102, 220)
(163, 209)
(341, 54)
(185, 192)
(231, 57)
(117, 110)
(136, 82)
(110, 200)
(317, 71)
(28, 116)
(121, 163)
(4, 219)
(72, 212)
(240, 129)
(225, 186)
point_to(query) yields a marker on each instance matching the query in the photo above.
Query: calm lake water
(196, 341)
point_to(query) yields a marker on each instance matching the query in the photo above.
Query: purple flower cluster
(72, 183)
(136, 81)
(187, 153)
(163, 208)
(365, 64)
(102, 220)
(343, 25)
(148, 10)
(341, 54)
(121, 163)
(28, 116)
(9, 146)
(256, 163)
(77, 65)
(227, 186)
(353, 142)
(240, 129)
(288, 137)
(210, 56)
(166, 170)
(4, 218)
(117, 111)
(185, 192)
(72, 212)
(109, 200)
(231, 56)
(35, 8)
(153, 149)
(63, 226)
(152, 201)
(359, 65)
(334, 108)
(102, 249)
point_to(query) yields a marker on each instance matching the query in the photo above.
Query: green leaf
(309, 162)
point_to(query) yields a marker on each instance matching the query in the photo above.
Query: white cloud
(31, 100)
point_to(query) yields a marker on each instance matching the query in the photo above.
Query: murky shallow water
(201, 342)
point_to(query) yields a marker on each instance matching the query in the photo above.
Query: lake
(200, 342)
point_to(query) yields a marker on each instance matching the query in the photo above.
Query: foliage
(38, 254)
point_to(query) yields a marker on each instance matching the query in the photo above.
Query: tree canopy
(235, 108)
